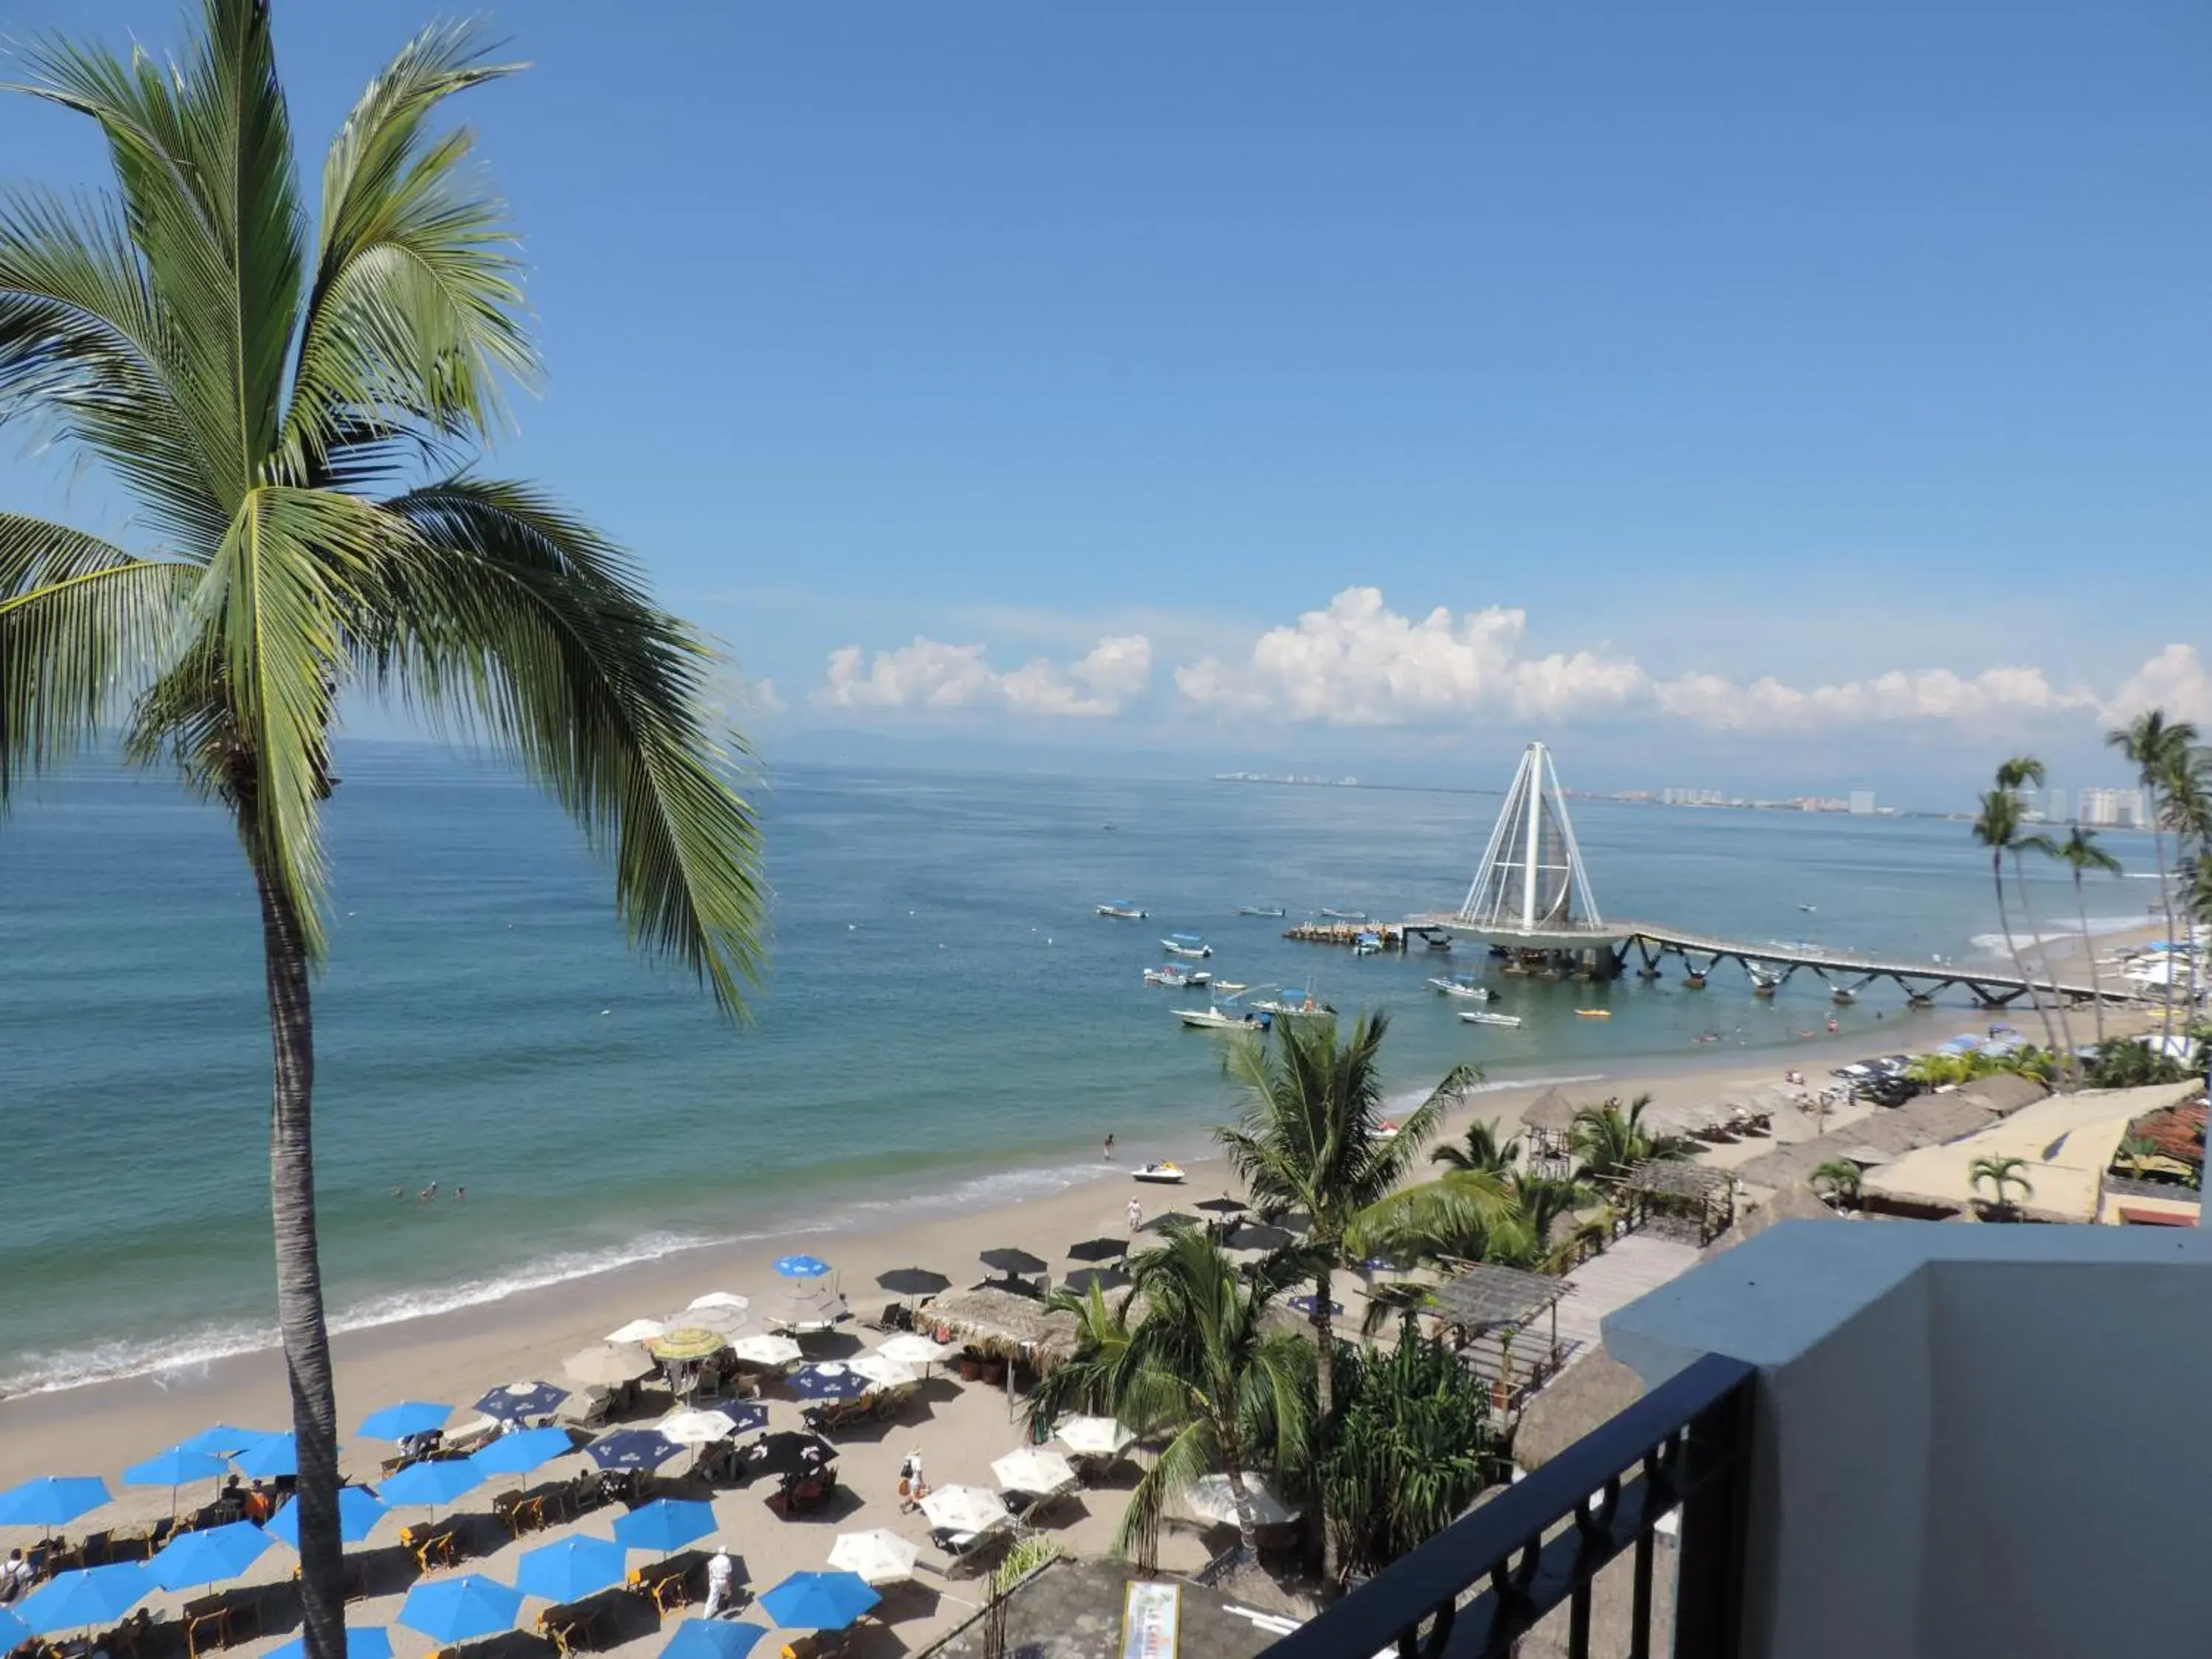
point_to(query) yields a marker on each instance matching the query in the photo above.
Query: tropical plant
(1471, 1215)
(2020, 773)
(294, 410)
(1308, 1138)
(1837, 1180)
(2188, 814)
(1941, 1071)
(1997, 828)
(2080, 852)
(2133, 1063)
(2138, 1150)
(2157, 748)
(2001, 1176)
(1481, 1150)
(1408, 1449)
(1611, 1140)
(1227, 1388)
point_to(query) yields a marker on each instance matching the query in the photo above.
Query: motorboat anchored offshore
(1186, 944)
(1176, 977)
(1484, 1017)
(1122, 910)
(1465, 987)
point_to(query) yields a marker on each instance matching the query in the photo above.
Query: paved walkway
(1634, 1265)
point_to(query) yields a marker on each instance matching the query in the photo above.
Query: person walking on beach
(912, 1487)
(1136, 1215)
(721, 1573)
(1110, 1145)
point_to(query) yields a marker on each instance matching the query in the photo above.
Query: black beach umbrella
(1224, 1206)
(520, 1401)
(788, 1453)
(913, 1281)
(1258, 1236)
(1010, 1261)
(1099, 1249)
(1083, 1280)
(1172, 1219)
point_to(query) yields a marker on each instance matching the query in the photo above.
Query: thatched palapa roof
(2004, 1093)
(1551, 1112)
(1593, 1387)
(1003, 1323)
(1796, 1202)
(1925, 1121)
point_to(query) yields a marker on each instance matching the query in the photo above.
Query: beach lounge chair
(507, 1506)
(430, 1549)
(570, 1629)
(663, 1583)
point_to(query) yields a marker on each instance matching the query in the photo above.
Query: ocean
(947, 1022)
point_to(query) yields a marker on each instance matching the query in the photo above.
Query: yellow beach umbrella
(686, 1343)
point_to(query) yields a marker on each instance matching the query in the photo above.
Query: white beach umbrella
(878, 1556)
(1209, 1500)
(609, 1365)
(715, 1317)
(696, 1428)
(636, 1331)
(1033, 1469)
(719, 1299)
(965, 1509)
(1093, 1437)
(882, 1372)
(913, 1349)
(765, 1350)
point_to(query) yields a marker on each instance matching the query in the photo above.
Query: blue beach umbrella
(173, 1467)
(572, 1568)
(518, 1454)
(272, 1457)
(372, 1642)
(52, 1500)
(208, 1556)
(14, 1632)
(521, 1399)
(458, 1610)
(220, 1438)
(712, 1638)
(665, 1524)
(407, 1419)
(743, 1417)
(830, 1381)
(358, 1513)
(818, 1600)
(632, 1449)
(441, 1480)
(801, 1267)
(1306, 1304)
(88, 1596)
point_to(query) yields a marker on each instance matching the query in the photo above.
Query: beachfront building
(2111, 809)
(1904, 1438)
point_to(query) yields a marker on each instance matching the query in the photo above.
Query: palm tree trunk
(2020, 966)
(2096, 980)
(1248, 1523)
(1325, 1392)
(299, 1273)
(2165, 898)
(2042, 952)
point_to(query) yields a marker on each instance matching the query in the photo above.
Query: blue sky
(1858, 350)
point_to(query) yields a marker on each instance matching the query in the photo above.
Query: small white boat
(1367, 945)
(1217, 1019)
(1176, 977)
(1186, 944)
(1344, 916)
(1229, 988)
(1160, 1174)
(1259, 910)
(1484, 1017)
(1464, 986)
(1295, 1005)
(1122, 910)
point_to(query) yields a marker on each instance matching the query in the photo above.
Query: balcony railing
(1684, 1443)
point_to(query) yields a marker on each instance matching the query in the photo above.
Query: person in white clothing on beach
(1136, 1215)
(721, 1577)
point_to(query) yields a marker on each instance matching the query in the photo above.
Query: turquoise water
(947, 1020)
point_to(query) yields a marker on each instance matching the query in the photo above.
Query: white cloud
(2175, 680)
(932, 676)
(1358, 663)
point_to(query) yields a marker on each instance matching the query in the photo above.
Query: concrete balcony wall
(1971, 1439)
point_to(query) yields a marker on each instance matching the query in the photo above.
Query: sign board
(1151, 1612)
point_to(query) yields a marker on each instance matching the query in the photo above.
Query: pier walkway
(1846, 973)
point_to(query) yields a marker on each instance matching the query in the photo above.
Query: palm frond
(83, 627)
(1191, 1454)
(511, 619)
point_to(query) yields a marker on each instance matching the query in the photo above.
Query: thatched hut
(1003, 1324)
(1796, 1202)
(1551, 1113)
(2003, 1093)
(1593, 1387)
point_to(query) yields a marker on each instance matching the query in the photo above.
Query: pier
(1846, 973)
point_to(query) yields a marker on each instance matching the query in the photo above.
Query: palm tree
(1480, 1149)
(1308, 1140)
(1611, 1141)
(1837, 1181)
(1997, 828)
(294, 410)
(2080, 852)
(2000, 1175)
(2015, 775)
(2154, 743)
(2188, 812)
(1408, 1449)
(1231, 1388)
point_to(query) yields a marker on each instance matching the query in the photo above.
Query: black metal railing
(1542, 1543)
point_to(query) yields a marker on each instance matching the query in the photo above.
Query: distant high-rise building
(2054, 807)
(1861, 802)
(2111, 808)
